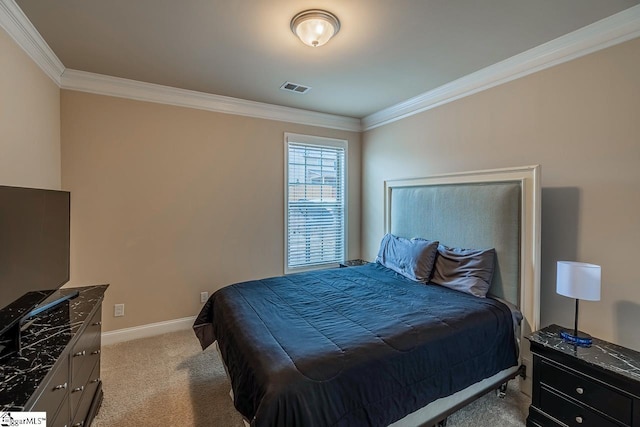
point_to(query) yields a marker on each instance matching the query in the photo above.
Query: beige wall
(152, 185)
(581, 122)
(29, 121)
(168, 201)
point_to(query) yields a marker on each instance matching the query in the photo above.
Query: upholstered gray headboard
(487, 209)
(475, 215)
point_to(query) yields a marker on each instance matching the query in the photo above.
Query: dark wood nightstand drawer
(599, 384)
(570, 413)
(586, 391)
(538, 418)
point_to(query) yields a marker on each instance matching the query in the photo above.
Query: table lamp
(578, 280)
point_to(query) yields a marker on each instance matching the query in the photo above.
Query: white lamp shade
(578, 280)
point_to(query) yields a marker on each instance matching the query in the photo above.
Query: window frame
(317, 141)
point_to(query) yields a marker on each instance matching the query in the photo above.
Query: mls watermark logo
(23, 419)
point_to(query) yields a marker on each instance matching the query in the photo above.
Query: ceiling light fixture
(315, 27)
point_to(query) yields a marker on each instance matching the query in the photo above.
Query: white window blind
(315, 202)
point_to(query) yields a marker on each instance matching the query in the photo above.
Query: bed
(367, 345)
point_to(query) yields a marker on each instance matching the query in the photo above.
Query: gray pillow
(412, 258)
(465, 270)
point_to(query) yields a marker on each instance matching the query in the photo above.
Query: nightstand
(353, 263)
(597, 386)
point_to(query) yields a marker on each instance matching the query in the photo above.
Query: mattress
(351, 346)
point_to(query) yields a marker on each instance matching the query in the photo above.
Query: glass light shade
(578, 280)
(315, 27)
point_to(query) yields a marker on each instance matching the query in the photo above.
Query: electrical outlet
(118, 310)
(204, 296)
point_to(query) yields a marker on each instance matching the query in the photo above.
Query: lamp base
(581, 340)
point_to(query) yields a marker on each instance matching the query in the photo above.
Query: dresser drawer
(94, 328)
(81, 372)
(55, 391)
(88, 344)
(62, 417)
(586, 391)
(87, 397)
(87, 340)
(570, 413)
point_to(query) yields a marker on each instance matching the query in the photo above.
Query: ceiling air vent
(295, 87)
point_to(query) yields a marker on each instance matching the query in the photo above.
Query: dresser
(597, 386)
(58, 368)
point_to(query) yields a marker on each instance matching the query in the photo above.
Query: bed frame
(495, 208)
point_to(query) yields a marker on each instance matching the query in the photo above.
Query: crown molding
(22, 31)
(124, 88)
(607, 32)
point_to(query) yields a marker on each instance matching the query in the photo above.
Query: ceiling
(386, 51)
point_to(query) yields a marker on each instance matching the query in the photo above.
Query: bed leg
(501, 391)
(441, 423)
(522, 371)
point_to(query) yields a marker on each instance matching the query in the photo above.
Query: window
(315, 202)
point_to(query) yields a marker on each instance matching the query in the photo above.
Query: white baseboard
(144, 331)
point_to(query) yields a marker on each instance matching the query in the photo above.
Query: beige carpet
(168, 381)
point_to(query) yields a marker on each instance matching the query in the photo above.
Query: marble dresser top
(43, 341)
(602, 354)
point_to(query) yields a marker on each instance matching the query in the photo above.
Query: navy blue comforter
(351, 346)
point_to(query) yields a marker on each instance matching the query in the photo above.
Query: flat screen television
(34, 249)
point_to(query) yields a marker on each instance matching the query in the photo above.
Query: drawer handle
(579, 420)
(80, 353)
(60, 386)
(580, 390)
(77, 389)
(94, 352)
(80, 424)
(97, 380)
(97, 323)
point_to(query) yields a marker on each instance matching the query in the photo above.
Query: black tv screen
(34, 242)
